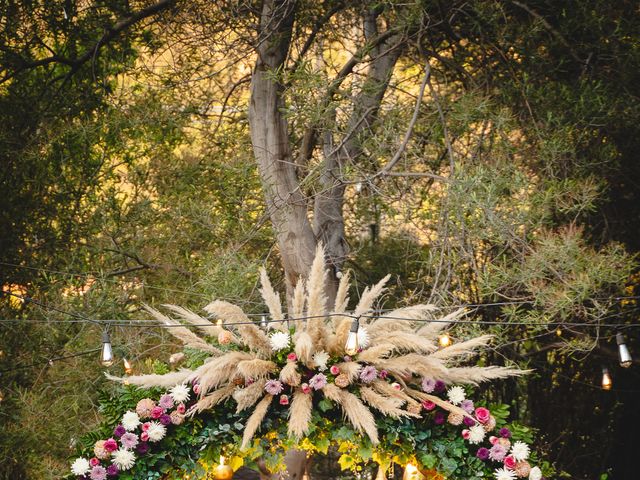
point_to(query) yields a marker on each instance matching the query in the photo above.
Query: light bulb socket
(355, 325)
(105, 337)
(620, 340)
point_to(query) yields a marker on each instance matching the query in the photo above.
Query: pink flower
(284, 400)
(335, 370)
(110, 445)
(383, 374)
(176, 417)
(396, 385)
(509, 462)
(483, 415)
(305, 388)
(166, 401)
(144, 436)
(466, 434)
(493, 439)
(144, 407)
(273, 387)
(368, 374)
(318, 381)
(428, 385)
(347, 358)
(145, 426)
(157, 412)
(98, 473)
(292, 357)
(181, 408)
(428, 405)
(497, 452)
(196, 388)
(129, 440)
(94, 462)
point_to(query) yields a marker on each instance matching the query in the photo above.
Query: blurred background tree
(130, 176)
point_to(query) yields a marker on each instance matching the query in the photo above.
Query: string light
(444, 340)
(607, 382)
(106, 357)
(128, 369)
(352, 345)
(222, 471)
(411, 472)
(623, 351)
(263, 321)
(219, 322)
(559, 332)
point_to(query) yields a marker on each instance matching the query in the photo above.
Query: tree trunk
(286, 204)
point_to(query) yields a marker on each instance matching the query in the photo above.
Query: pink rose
(493, 440)
(292, 357)
(483, 415)
(428, 405)
(181, 408)
(157, 412)
(510, 462)
(284, 400)
(305, 388)
(144, 436)
(335, 370)
(145, 426)
(110, 445)
(465, 434)
(196, 388)
(94, 462)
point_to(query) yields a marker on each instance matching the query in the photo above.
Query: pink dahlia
(94, 461)
(110, 445)
(129, 440)
(509, 462)
(98, 473)
(181, 408)
(273, 387)
(156, 412)
(99, 450)
(166, 401)
(176, 417)
(318, 381)
(428, 385)
(497, 453)
(368, 374)
(144, 407)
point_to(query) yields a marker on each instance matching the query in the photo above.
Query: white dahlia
(520, 451)
(320, 359)
(179, 393)
(456, 395)
(156, 431)
(279, 340)
(80, 466)
(535, 474)
(124, 459)
(130, 421)
(504, 474)
(476, 434)
(363, 337)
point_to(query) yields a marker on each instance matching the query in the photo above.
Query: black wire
(50, 360)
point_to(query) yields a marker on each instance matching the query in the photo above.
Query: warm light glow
(107, 352)
(607, 382)
(128, 369)
(558, 331)
(411, 472)
(219, 322)
(352, 345)
(222, 459)
(444, 340)
(263, 321)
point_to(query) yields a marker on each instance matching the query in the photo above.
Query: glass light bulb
(444, 340)
(623, 352)
(263, 321)
(607, 383)
(107, 352)
(351, 347)
(128, 369)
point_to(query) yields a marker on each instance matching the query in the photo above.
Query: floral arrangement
(331, 369)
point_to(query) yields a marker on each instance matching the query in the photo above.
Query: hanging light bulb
(352, 346)
(128, 369)
(444, 340)
(107, 352)
(263, 321)
(222, 471)
(607, 383)
(623, 351)
(219, 322)
(559, 332)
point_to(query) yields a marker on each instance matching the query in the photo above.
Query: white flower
(80, 466)
(504, 474)
(456, 395)
(320, 359)
(179, 393)
(124, 459)
(130, 421)
(156, 431)
(520, 451)
(279, 340)
(363, 337)
(535, 474)
(476, 434)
